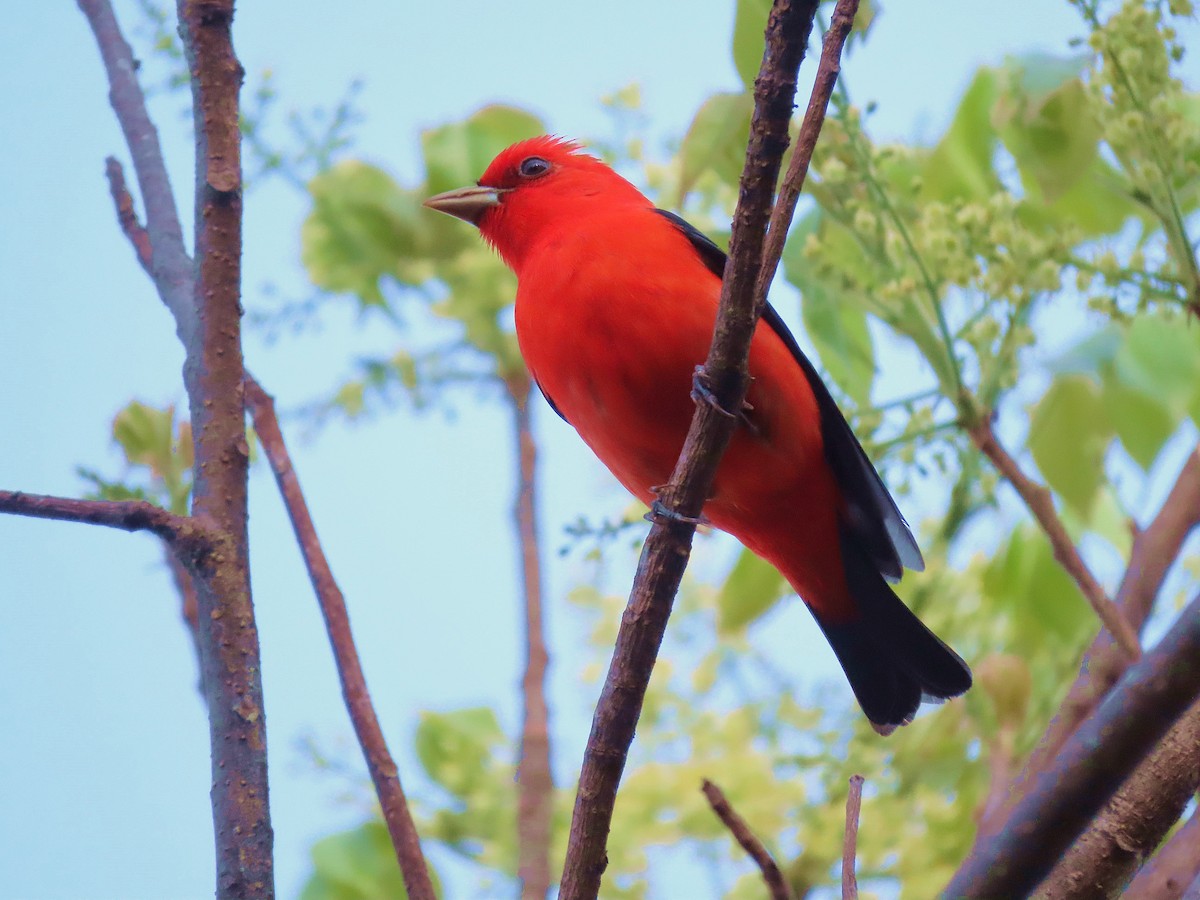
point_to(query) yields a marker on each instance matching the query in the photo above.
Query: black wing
(873, 517)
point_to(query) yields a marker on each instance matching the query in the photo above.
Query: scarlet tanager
(616, 302)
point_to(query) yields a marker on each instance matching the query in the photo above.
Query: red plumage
(615, 307)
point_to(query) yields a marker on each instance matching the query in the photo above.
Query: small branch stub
(850, 844)
(776, 886)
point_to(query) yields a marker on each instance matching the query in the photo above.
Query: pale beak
(468, 204)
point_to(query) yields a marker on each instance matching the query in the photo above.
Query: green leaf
(458, 153)
(752, 588)
(833, 319)
(358, 864)
(1024, 578)
(1044, 118)
(363, 226)
(839, 330)
(150, 438)
(1091, 355)
(716, 140)
(459, 748)
(1068, 435)
(960, 166)
(1142, 421)
(749, 28)
(1160, 357)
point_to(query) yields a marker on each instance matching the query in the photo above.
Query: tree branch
(850, 843)
(1155, 548)
(1041, 504)
(127, 216)
(384, 773)
(725, 375)
(1089, 768)
(535, 780)
(128, 515)
(1172, 868)
(776, 886)
(213, 372)
(806, 141)
(169, 265)
(1134, 821)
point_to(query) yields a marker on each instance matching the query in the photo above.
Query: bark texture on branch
(213, 376)
(1134, 822)
(725, 375)
(1091, 766)
(1173, 867)
(384, 773)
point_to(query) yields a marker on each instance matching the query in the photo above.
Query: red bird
(616, 302)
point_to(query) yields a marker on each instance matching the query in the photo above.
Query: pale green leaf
(716, 140)
(1068, 435)
(752, 588)
(749, 26)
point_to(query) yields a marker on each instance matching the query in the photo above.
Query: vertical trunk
(213, 376)
(535, 782)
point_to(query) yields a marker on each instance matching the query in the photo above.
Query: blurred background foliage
(1034, 265)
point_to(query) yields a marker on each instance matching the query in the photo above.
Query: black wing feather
(874, 518)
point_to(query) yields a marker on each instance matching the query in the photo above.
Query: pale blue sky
(104, 769)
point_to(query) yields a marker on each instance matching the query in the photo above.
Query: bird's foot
(702, 393)
(661, 514)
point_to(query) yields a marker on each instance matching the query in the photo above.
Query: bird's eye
(533, 167)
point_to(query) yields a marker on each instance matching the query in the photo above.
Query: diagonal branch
(806, 141)
(1134, 821)
(127, 216)
(1154, 550)
(1041, 504)
(1088, 769)
(776, 886)
(1173, 867)
(384, 773)
(169, 266)
(725, 376)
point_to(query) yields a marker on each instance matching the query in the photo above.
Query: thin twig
(814, 117)
(1154, 550)
(380, 763)
(725, 375)
(535, 780)
(1041, 504)
(1089, 768)
(170, 266)
(127, 216)
(776, 886)
(850, 844)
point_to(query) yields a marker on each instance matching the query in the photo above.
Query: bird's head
(533, 189)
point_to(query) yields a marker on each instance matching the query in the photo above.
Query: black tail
(893, 662)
